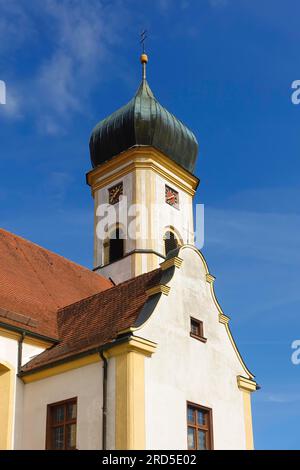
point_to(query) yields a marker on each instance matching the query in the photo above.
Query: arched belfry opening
(171, 242)
(114, 246)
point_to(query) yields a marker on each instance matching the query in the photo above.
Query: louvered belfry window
(171, 242)
(116, 246)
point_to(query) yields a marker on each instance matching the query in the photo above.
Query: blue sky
(225, 67)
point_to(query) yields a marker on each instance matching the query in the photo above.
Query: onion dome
(143, 121)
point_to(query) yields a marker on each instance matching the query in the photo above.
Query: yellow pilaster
(7, 377)
(130, 392)
(247, 387)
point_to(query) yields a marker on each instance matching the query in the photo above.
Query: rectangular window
(197, 330)
(61, 425)
(199, 427)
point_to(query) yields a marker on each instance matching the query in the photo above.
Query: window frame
(201, 336)
(65, 423)
(208, 429)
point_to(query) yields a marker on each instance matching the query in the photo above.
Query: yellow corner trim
(61, 368)
(160, 289)
(7, 394)
(169, 263)
(247, 387)
(130, 432)
(134, 344)
(246, 384)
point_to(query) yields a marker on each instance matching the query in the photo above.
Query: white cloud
(15, 25)
(77, 40)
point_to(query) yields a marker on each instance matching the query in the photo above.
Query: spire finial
(144, 57)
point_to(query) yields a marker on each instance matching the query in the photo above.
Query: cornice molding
(245, 384)
(141, 158)
(134, 344)
(170, 263)
(160, 289)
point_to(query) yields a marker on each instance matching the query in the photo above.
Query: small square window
(197, 330)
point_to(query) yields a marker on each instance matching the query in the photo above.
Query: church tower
(143, 185)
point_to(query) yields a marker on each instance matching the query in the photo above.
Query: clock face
(114, 193)
(172, 197)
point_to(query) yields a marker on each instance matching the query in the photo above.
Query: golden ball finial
(144, 58)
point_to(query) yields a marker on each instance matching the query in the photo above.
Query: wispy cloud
(165, 5)
(219, 3)
(77, 40)
(256, 252)
(57, 184)
(279, 398)
(16, 25)
(265, 236)
(13, 105)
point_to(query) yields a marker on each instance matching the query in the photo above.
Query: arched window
(116, 246)
(171, 242)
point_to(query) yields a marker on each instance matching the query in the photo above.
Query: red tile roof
(97, 320)
(35, 283)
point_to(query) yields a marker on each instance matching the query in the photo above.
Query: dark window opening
(197, 330)
(199, 427)
(116, 246)
(61, 425)
(171, 242)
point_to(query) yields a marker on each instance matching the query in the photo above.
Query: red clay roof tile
(35, 283)
(97, 320)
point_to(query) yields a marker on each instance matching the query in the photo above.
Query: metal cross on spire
(144, 35)
(144, 57)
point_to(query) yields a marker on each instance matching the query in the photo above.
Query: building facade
(136, 354)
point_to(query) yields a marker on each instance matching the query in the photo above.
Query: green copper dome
(143, 121)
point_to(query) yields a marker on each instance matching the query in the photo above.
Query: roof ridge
(112, 289)
(136, 277)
